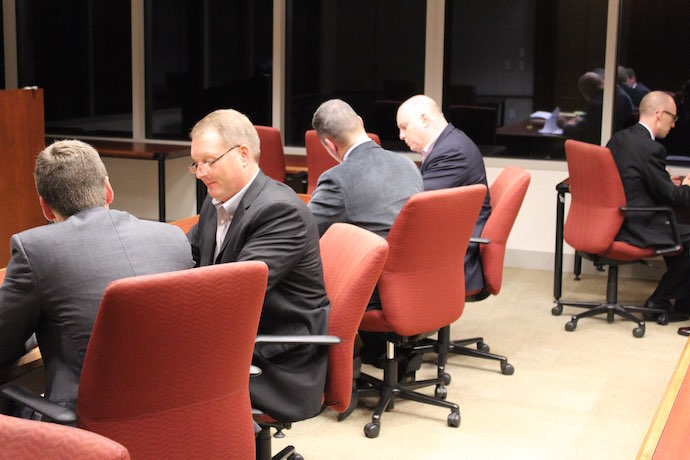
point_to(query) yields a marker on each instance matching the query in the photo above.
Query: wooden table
(524, 139)
(155, 151)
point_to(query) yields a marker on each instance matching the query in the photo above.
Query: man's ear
(332, 149)
(109, 194)
(47, 211)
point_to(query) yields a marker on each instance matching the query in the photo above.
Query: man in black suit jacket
(248, 216)
(641, 162)
(449, 159)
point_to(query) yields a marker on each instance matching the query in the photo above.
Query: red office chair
(352, 262)
(31, 440)
(166, 372)
(318, 158)
(422, 289)
(596, 214)
(187, 223)
(272, 158)
(507, 193)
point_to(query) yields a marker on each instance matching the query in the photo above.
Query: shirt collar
(359, 141)
(647, 128)
(429, 147)
(231, 205)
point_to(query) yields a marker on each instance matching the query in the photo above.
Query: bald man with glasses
(641, 161)
(249, 216)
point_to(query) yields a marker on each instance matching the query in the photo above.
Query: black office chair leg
(459, 347)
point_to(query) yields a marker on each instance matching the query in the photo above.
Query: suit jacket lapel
(250, 195)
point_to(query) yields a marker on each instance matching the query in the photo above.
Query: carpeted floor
(586, 394)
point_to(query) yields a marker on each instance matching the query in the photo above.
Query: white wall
(531, 243)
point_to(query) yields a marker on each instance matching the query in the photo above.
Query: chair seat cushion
(375, 321)
(620, 250)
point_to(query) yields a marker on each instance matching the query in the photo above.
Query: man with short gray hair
(370, 185)
(58, 273)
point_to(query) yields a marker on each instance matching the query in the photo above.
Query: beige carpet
(586, 394)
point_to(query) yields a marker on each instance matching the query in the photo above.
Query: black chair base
(611, 308)
(391, 388)
(460, 347)
(263, 445)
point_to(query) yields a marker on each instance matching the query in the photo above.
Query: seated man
(449, 159)
(642, 165)
(370, 185)
(57, 273)
(248, 216)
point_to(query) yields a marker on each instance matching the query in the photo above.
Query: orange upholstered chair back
(507, 193)
(597, 195)
(318, 158)
(352, 262)
(272, 158)
(29, 440)
(422, 285)
(187, 223)
(166, 372)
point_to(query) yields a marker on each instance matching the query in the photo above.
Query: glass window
(654, 43)
(202, 56)
(506, 60)
(79, 51)
(368, 53)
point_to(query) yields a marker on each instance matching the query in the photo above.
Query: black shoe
(656, 306)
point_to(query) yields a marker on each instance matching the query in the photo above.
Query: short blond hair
(70, 177)
(233, 126)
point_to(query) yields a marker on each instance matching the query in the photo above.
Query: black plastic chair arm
(671, 218)
(298, 339)
(55, 412)
(479, 240)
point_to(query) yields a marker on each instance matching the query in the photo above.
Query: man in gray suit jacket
(248, 216)
(370, 185)
(449, 159)
(57, 273)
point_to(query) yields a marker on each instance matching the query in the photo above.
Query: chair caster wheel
(662, 319)
(371, 430)
(483, 347)
(296, 456)
(557, 310)
(441, 392)
(507, 369)
(638, 332)
(570, 325)
(446, 378)
(454, 419)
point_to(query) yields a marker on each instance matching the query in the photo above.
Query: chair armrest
(479, 240)
(298, 339)
(57, 413)
(671, 218)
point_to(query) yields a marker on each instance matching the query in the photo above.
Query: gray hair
(234, 127)
(70, 177)
(335, 118)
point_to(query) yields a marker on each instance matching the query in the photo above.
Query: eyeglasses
(205, 166)
(673, 116)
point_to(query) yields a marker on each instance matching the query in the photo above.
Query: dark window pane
(203, 56)
(655, 42)
(368, 53)
(514, 58)
(79, 51)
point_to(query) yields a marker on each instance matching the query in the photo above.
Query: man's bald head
(658, 112)
(419, 119)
